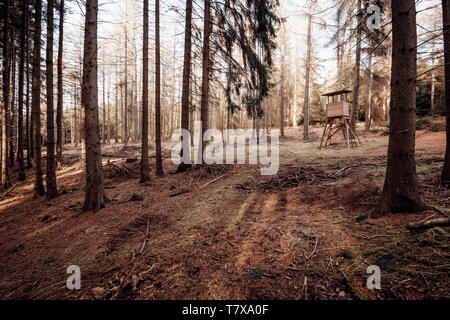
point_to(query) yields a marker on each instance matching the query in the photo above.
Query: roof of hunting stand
(336, 93)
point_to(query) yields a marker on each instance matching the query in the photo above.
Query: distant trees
(400, 191)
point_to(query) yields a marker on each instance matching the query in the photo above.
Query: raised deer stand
(338, 119)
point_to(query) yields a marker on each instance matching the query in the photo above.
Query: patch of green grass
(362, 216)
(424, 122)
(73, 205)
(338, 221)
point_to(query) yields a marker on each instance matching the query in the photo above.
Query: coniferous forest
(225, 150)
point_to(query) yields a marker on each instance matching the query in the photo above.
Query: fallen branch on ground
(198, 188)
(443, 221)
(10, 189)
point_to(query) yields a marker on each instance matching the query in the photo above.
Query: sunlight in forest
(258, 150)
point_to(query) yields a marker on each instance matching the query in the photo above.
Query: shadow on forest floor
(225, 232)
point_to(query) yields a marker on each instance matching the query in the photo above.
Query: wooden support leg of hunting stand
(353, 133)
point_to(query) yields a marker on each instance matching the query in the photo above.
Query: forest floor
(225, 232)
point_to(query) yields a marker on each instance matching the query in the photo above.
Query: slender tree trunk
(445, 178)
(135, 107)
(59, 106)
(76, 129)
(159, 168)
(294, 111)
(307, 77)
(52, 191)
(357, 69)
(122, 114)
(20, 103)
(108, 112)
(94, 199)
(145, 172)
(186, 82)
(433, 72)
(28, 122)
(368, 108)
(116, 115)
(206, 66)
(82, 117)
(342, 77)
(173, 102)
(338, 48)
(5, 70)
(400, 191)
(72, 130)
(282, 92)
(36, 101)
(228, 92)
(125, 118)
(104, 104)
(11, 124)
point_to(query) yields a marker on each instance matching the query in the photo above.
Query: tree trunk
(5, 69)
(433, 72)
(94, 199)
(122, 114)
(228, 92)
(59, 106)
(294, 111)
(76, 129)
(108, 112)
(338, 48)
(145, 172)
(104, 104)
(36, 101)
(135, 107)
(28, 120)
(116, 115)
(445, 178)
(357, 70)
(159, 168)
(206, 66)
(400, 186)
(173, 102)
(52, 191)
(308, 71)
(125, 118)
(82, 118)
(20, 103)
(11, 117)
(282, 90)
(368, 108)
(186, 82)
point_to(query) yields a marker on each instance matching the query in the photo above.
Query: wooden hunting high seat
(338, 113)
